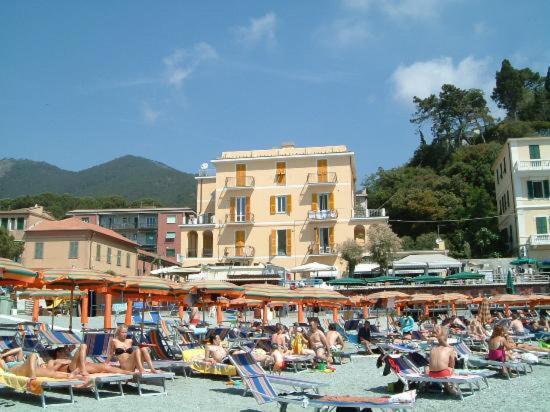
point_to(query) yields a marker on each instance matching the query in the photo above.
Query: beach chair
(8, 342)
(220, 331)
(408, 374)
(466, 354)
(138, 320)
(261, 387)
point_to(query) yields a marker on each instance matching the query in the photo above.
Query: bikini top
(120, 351)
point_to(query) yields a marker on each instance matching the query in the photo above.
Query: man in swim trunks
(516, 326)
(317, 341)
(215, 352)
(442, 360)
(334, 339)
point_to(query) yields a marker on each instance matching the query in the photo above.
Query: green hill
(131, 177)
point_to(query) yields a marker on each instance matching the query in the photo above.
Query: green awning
(465, 276)
(426, 279)
(524, 261)
(346, 281)
(381, 279)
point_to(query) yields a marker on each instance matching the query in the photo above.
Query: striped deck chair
(470, 359)
(261, 387)
(8, 342)
(97, 345)
(222, 332)
(28, 337)
(407, 373)
(53, 337)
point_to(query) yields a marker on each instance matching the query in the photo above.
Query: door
(322, 170)
(324, 241)
(241, 174)
(323, 201)
(240, 206)
(239, 243)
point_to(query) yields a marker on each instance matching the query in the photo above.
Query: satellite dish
(204, 166)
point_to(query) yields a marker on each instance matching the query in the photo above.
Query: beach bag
(297, 344)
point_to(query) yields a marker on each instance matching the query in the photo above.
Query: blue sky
(83, 82)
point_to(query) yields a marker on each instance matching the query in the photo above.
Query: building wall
(206, 195)
(56, 252)
(29, 221)
(164, 227)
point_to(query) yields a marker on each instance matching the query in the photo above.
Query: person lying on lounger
(128, 357)
(442, 360)
(214, 352)
(63, 361)
(13, 361)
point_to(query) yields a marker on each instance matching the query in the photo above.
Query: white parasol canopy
(174, 270)
(312, 267)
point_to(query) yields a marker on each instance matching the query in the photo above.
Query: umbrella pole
(53, 313)
(143, 315)
(70, 310)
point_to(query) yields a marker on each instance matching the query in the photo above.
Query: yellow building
(286, 206)
(522, 175)
(18, 220)
(72, 243)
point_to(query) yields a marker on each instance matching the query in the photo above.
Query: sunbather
(214, 352)
(442, 360)
(516, 326)
(498, 344)
(281, 338)
(129, 358)
(476, 329)
(13, 361)
(63, 361)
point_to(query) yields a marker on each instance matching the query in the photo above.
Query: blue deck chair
(261, 387)
(155, 316)
(137, 319)
(8, 342)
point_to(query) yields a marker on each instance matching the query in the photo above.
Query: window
(240, 205)
(109, 251)
(128, 260)
(542, 225)
(98, 252)
(280, 175)
(150, 239)
(170, 219)
(20, 223)
(39, 250)
(170, 236)
(281, 204)
(85, 219)
(118, 257)
(534, 152)
(12, 224)
(73, 250)
(281, 242)
(324, 240)
(323, 201)
(171, 252)
(5, 223)
(151, 221)
(538, 189)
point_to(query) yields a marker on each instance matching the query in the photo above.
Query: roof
(283, 152)
(156, 256)
(432, 261)
(35, 211)
(76, 224)
(130, 210)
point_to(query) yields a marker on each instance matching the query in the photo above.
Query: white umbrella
(311, 267)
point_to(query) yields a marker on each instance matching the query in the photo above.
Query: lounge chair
(8, 342)
(408, 374)
(39, 337)
(261, 387)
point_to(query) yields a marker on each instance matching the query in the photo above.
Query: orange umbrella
(449, 297)
(506, 299)
(15, 274)
(387, 294)
(421, 298)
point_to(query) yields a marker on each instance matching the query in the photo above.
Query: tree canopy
(9, 247)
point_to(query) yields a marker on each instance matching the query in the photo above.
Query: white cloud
(260, 30)
(183, 62)
(345, 33)
(150, 115)
(424, 78)
(415, 9)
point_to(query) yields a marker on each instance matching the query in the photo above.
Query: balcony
(204, 220)
(360, 213)
(238, 252)
(239, 182)
(321, 179)
(316, 249)
(322, 215)
(532, 165)
(233, 219)
(539, 240)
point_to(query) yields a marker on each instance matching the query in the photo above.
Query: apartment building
(285, 206)
(18, 220)
(522, 175)
(73, 243)
(154, 229)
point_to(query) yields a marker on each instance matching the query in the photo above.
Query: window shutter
(530, 191)
(289, 204)
(281, 173)
(545, 189)
(247, 208)
(273, 243)
(232, 209)
(534, 152)
(314, 206)
(316, 236)
(331, 237)
(331, 201)
(289, 242)
(272, 205)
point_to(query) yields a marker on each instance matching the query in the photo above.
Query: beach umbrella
(54, 295)
(207, 289)
(85, 279)
(510, 288)
(15, 274)
(269, 293)
(524, 261)
(484, 311)
(318, 295)
(384, 279)
(313, 267)
(465, 276)
(387, 294)
(454, 299)
(421, 298)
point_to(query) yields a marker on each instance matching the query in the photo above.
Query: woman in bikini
(128, 357)
(63, 362)
(498, 344)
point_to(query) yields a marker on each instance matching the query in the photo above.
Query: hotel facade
(522, 176)
(286, 206)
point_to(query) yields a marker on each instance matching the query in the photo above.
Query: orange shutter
(272, 205)
(247, 208)
(289, 242)
(314, 206)
(241, 174)
(331, 237)
(288, 204)
(232, 209)
(239, 243)
(322, 170)
(331, 201)
(317, 240)
(273, 243)
(281, 173)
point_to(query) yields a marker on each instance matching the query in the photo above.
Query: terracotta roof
(76, 224)
(130, 210)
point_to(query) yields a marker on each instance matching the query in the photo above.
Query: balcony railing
(239, 182)
(322, 215)
(361, 213)
(328, 178)
(239, 252)
(207, 253)
(205, 219)
(539, 240)
(318, 249)
(245, 219)
(538, 164)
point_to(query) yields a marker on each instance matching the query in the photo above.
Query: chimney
(288, 145)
